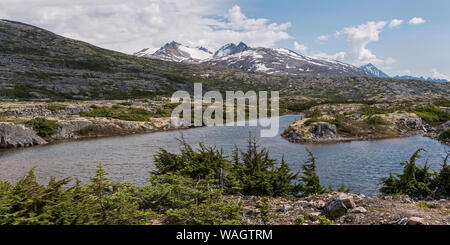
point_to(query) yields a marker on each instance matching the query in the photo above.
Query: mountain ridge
(278, 61)
(379, 73)
(38, 64)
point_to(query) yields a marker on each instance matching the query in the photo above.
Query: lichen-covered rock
(13, 135)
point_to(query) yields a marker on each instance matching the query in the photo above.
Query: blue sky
(353, 31)
(417, 49)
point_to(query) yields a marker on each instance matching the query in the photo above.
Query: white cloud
(416, 21)
(129, 26)
(437, 75)
(300, 47)
(337, 56)
(358, 37)
(395, 23)
(323, 37)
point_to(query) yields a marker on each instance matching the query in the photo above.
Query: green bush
(445, 134)
(310, 179)
(441, 183)
(375, 120)
(264, 207)
(432, 115)
(56, 107)
(29, 203)
(299, 220)
(122, 113)
(250, 172)
(185, 201)
(417, 182)
(44, 127)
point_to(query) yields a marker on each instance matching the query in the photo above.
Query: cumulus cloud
(300, 47)
(416, 21)
(323, 37)
(358, 37)
(337, 56)
(437, 75)
(129, 26)
(395, 23)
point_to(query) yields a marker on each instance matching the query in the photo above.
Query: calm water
(358, 164)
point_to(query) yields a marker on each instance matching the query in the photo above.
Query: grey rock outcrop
(412, 123)
(324, 131)
(12, 135)
(67, 129)
(443, 127)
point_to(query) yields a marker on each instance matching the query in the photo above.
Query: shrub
(29, 203)
(122, 113)
(445, 134)
(432, 115)
(264, 207)
(56, 107)
(250, 172)
(43, 127)
(310, 179)
(441, 184)
(299, 220)
(185, 201)
(375, 120)
(324, 221)
(414, 181)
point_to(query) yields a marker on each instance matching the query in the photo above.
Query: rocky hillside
(35, 63)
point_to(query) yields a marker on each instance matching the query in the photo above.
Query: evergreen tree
(414, 181)
(310, 179)
(441, 184)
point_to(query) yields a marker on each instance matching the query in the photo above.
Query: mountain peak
(230, 49)
(370, 68)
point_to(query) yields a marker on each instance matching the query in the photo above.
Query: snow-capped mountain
(430, 79)
(231, 49)
(177, 52)
(266, 60)
(370, 68)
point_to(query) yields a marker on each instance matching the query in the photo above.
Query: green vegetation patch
(43, 127)
(57, 107)
(123, 113)
(445, 134)
(432, 115)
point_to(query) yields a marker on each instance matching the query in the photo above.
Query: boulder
(416, 221)
(13, 135)
(324, 131)
(359, 210)
(339, 205)
(347, 200)
(314, 216)
(336, 209)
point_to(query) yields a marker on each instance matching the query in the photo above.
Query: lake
(358, 164)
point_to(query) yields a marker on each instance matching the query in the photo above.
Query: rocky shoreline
(343, 209)
(70, 125)
(347, 122)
